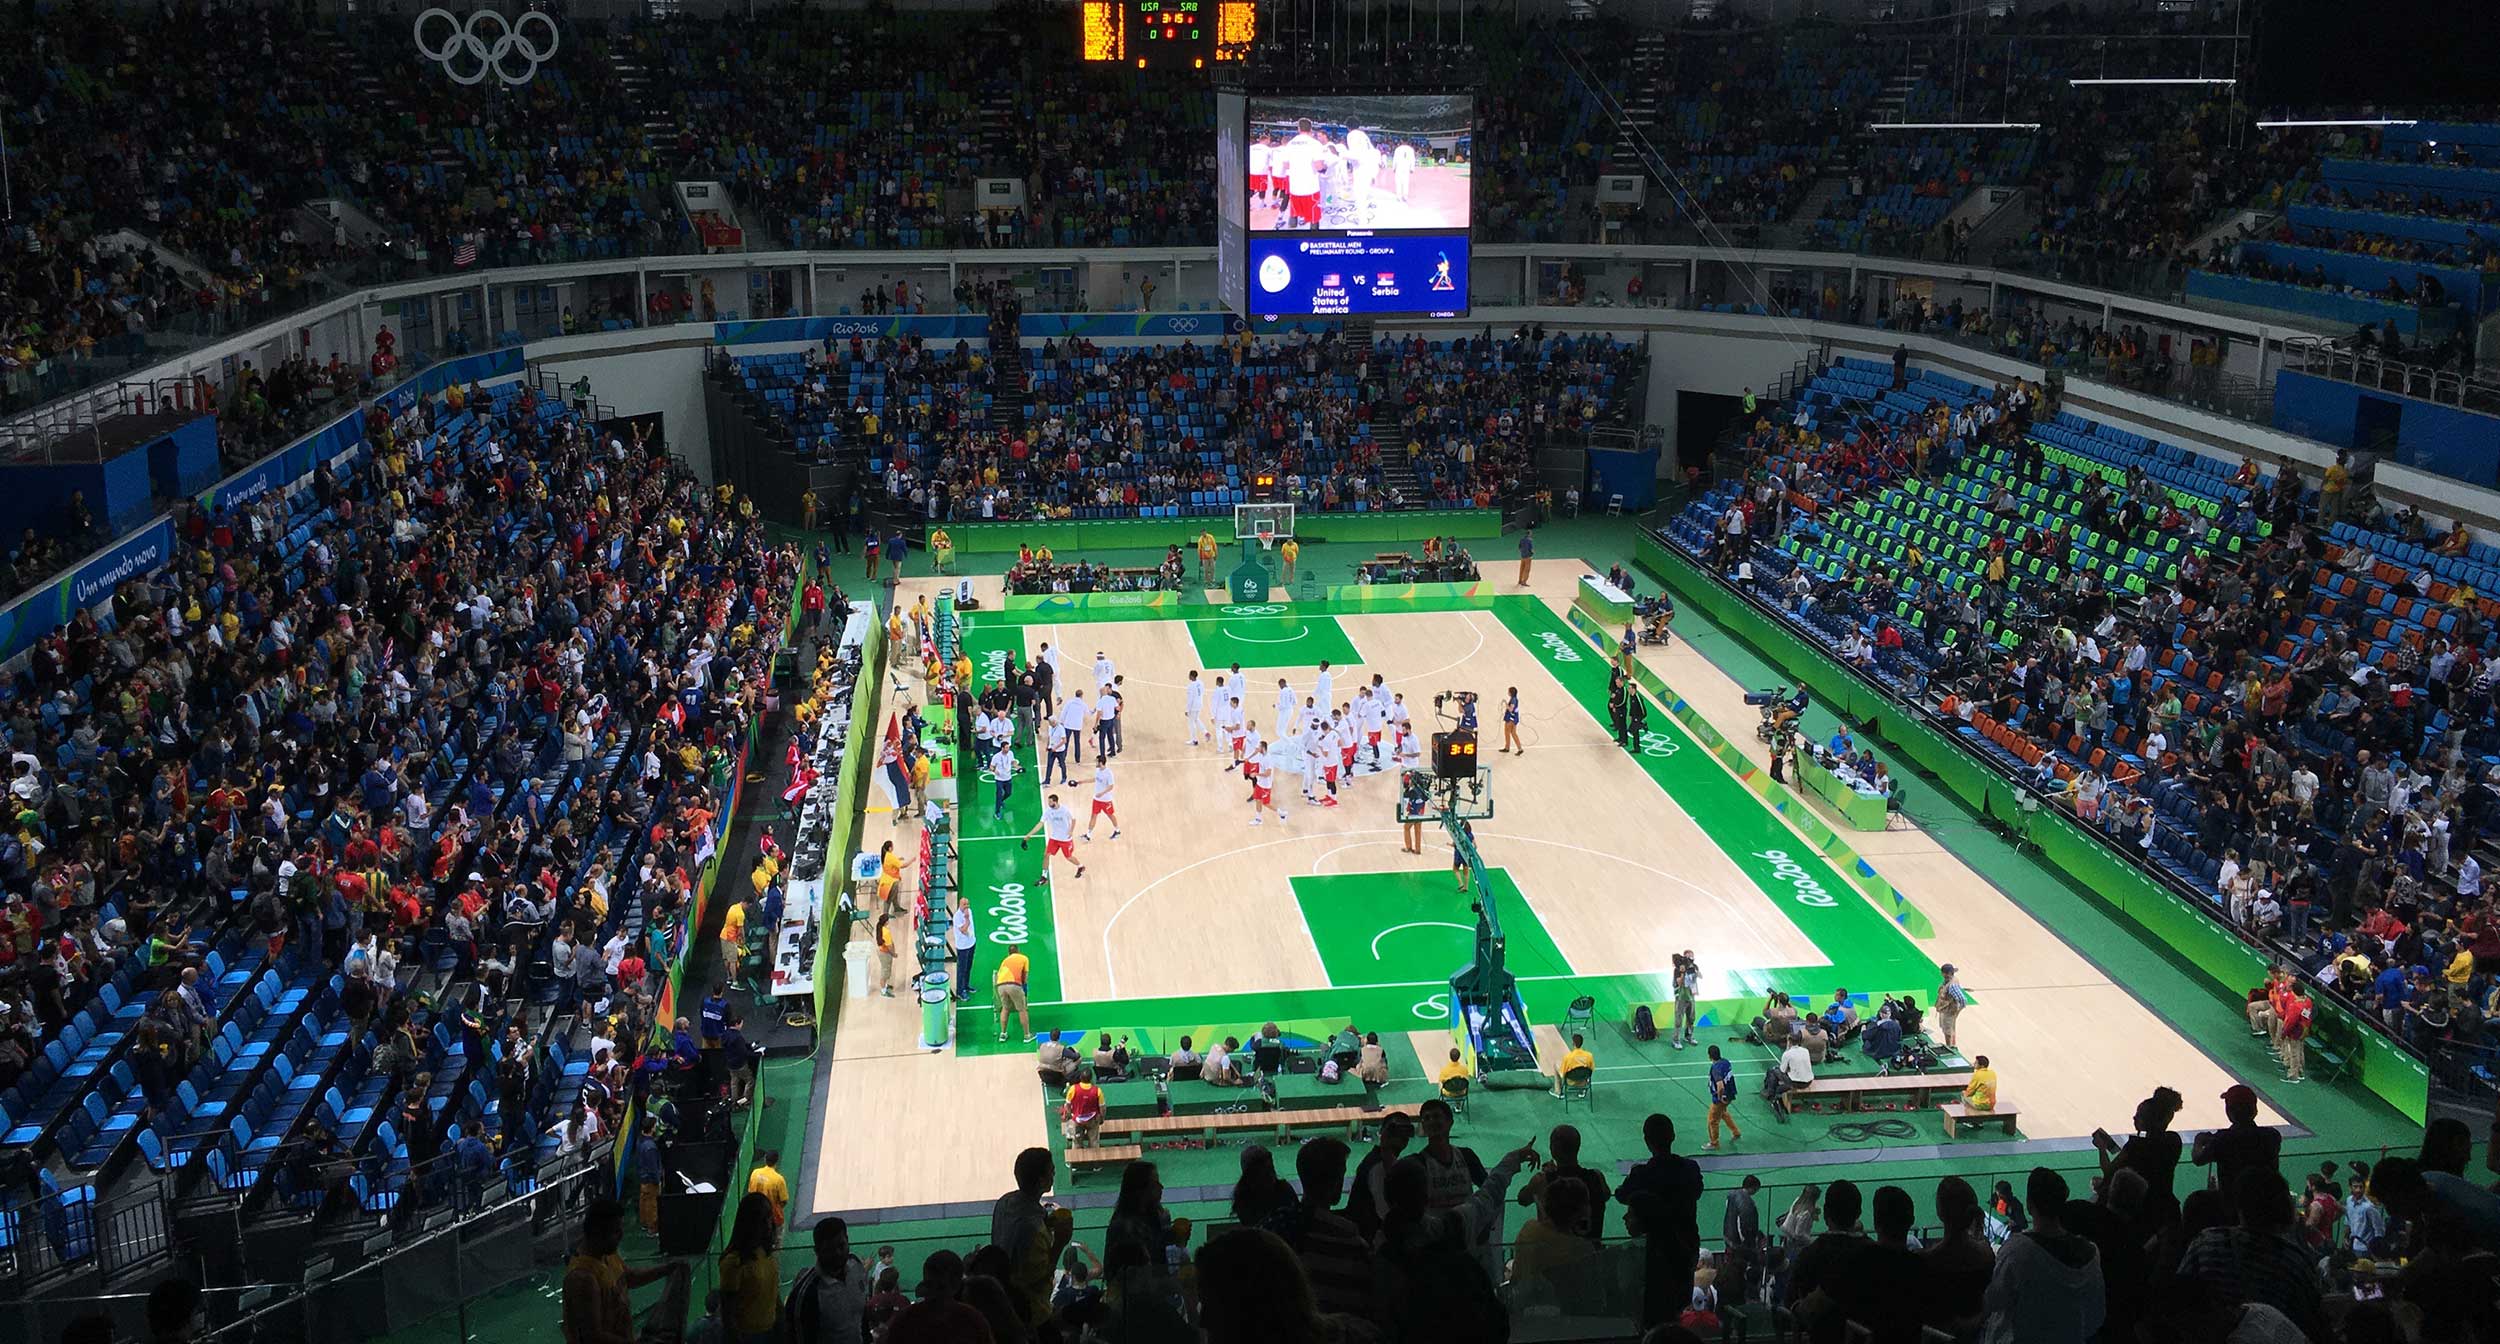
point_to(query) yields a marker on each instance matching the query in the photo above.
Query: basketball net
(1267, 536)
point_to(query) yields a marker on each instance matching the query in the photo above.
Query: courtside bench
(1920, 1088)
(1081, 1159)
(1277, 1124)
(1956, 1114)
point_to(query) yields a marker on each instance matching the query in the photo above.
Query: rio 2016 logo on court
(1788, 870)
(1007, 913)
(1557, 647)
(994, 665)
(1255, 609)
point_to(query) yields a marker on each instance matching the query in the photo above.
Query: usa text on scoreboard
(1167, 34)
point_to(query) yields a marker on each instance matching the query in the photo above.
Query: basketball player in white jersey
(1325, 745)
(1313, 750)
(1301, 158)
(1410, 749)
(1366, 722)
(1362, 163)
(1401, 169)
(1236, 729)
(1285, 719)
(1326, 689)
(1194, 705)
(1103, 671)
(1060, 823)
(1103, 805)
(1345, 729)
(1262, 772)
(1261, 153)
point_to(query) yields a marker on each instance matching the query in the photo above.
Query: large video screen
(1354, 204)
(1231, 195)
(1359, 161)
(1358, 275)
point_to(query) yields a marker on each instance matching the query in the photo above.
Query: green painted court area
(1270, 635)
(1414, 928)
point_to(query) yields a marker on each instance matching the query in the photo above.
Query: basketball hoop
(1266, 534)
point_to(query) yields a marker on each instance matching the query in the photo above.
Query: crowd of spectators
(872, 133)
(257, 740)
(1473, 411)
(1110, 431)
(2263, 721)
(1404, 1240)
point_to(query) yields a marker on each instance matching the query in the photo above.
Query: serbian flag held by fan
(889, 759)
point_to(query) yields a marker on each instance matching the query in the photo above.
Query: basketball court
(1604, 862)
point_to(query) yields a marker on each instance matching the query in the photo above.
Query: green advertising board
(1073, 536)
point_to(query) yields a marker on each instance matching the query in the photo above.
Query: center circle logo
(1274, 273)
(1260, 610)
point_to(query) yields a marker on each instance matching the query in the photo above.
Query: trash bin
(936, 1011)
(855, 968)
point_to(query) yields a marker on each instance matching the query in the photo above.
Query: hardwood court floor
(1195, 919)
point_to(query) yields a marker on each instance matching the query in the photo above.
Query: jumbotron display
(1346, 204)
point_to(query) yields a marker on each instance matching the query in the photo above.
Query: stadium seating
(1893, 548)
(241, 1057)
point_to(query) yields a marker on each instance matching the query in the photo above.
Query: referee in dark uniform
(1638, 720)
(1617, 705)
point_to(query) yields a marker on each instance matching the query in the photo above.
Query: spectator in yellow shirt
(1015, 974)
(766, 1180)
(1980, 1094)
(733, 938)
(1456, 1068)
(1577, 1057)
(750, 1273)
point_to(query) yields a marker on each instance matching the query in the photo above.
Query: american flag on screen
(1331, 280)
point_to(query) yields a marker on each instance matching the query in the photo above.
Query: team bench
(1279, 1124)
(1955, 1114)
(1918, 1087)
(1081, 1159)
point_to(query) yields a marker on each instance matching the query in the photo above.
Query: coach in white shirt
(1107, 707)
(1072, 717)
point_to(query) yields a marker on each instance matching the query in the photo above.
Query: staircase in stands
(1388, 431)
(1011, 388)
(1644, 100)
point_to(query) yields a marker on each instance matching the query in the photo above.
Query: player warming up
(1060, 824)
(1262, 772)
(1102, 803)
(1194, 705)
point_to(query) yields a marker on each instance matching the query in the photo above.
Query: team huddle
(1327, 742)
(1315, 178)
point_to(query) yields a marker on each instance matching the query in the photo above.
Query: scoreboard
(1167, 34)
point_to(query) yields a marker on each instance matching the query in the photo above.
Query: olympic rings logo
(486, 43)
(1257, 610)
(1181, 326)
